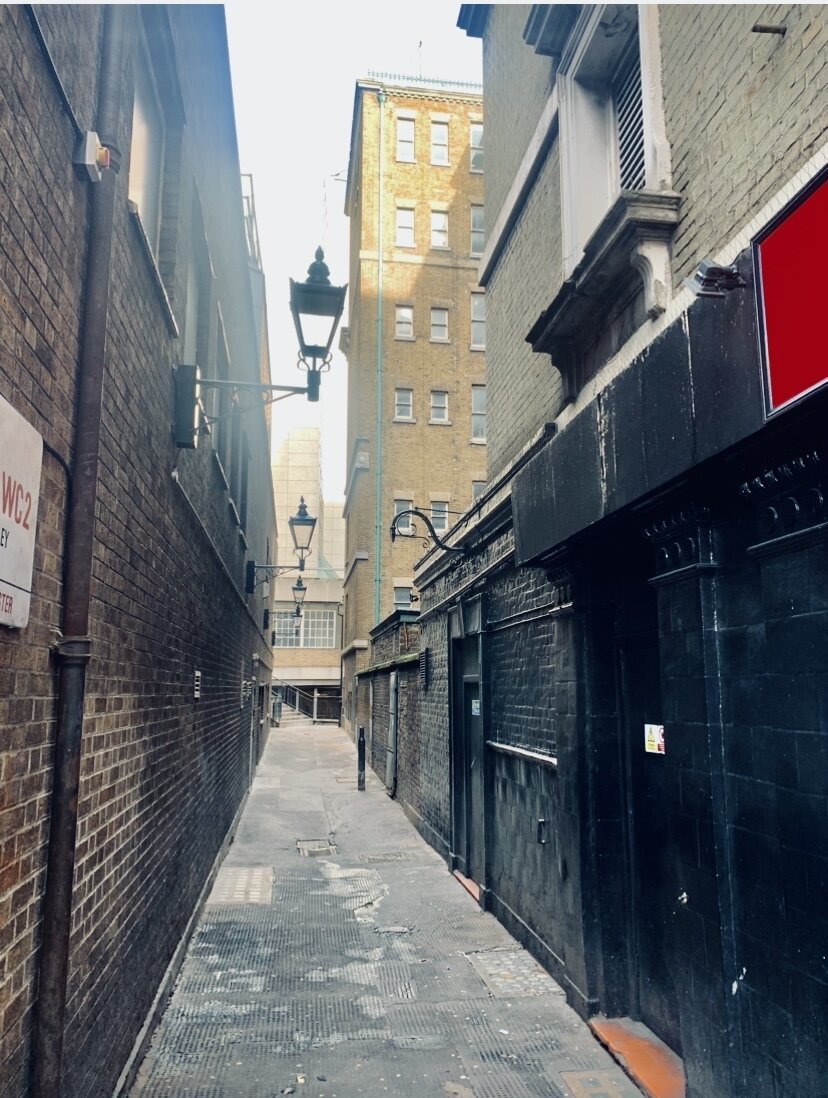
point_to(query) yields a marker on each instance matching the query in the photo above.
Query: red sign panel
(791, 264)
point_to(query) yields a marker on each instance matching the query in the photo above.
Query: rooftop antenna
(420, 51)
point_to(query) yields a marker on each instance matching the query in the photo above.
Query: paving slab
(337, 957)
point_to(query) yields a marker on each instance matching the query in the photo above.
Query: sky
(294, 70)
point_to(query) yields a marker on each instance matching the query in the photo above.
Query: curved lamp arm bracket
(396, 532)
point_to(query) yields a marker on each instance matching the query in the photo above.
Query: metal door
(652, 890)
(475, 750)
(391, 753)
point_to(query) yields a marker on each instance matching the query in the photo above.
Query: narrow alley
(336, 957)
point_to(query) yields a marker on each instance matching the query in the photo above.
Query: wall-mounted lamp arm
(256, 574)
(435, 538)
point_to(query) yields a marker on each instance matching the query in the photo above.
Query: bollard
(361, 759)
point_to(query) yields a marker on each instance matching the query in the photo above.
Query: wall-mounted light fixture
(299, 591)
(302, 526)
(411, 531)
(316, 307)
(710, 279)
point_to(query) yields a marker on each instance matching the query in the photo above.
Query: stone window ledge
(155, 274)
(635, 233)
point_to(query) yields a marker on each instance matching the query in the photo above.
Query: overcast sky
(294, 71)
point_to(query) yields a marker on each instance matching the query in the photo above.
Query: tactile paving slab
(512, 972)
(242, 885)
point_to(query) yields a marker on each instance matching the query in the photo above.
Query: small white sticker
(475, 707)
(654, 739)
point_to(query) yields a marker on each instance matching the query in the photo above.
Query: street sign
(21, 455)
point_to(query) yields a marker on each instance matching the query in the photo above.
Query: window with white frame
(318, 628)
(439, 406)
(612, 137)
(403, 404)
(189, 343)
(478, 322)
(439, 229)
(405, 139)
(405, 227)
(402, 598)
(478, 232)
(315, 628)
(478, 413)
(439, 325)
(439, 142)
(146, 154)
(439, 515)
(400, 505)
(476, 147)
(285, 631)
(404, 322)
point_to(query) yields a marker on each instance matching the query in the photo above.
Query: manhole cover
(315, 848)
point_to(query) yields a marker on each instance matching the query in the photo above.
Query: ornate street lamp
(316, 307)
(302, 526)
(299, 591)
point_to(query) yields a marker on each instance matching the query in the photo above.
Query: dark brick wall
(523, 656)
(162, 774)
(43, 222)
(434, 806)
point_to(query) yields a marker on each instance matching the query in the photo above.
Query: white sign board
(21, 454)
(654, 739)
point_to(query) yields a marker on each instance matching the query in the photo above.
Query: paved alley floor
(337, 956)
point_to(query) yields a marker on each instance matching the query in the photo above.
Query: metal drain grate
(315, 848)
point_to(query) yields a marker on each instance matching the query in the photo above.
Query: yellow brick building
(415, 340)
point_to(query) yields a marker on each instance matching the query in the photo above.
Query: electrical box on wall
(91, 159)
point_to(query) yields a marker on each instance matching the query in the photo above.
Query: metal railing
(316, 704)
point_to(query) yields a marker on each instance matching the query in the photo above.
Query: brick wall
(42, 261)
(753, 124)
(758, 103)
(524, 388)
(434, 766)
(510, 119)
(417, 460)
(162, 774)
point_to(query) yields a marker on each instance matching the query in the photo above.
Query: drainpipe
(74, 649)
(378, 371)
